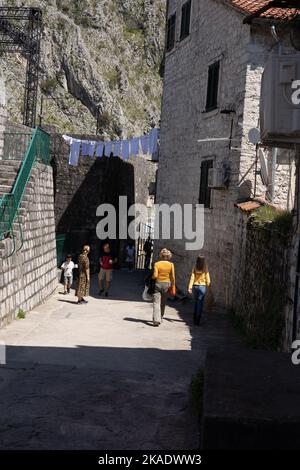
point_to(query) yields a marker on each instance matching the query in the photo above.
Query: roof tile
(249, 7)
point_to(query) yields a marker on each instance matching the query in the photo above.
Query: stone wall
(80, 190)
(217, 33)
(260, 279)
(292, 329)
(29, 276)
(3, 113)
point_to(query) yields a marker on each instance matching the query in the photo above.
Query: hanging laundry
(75, 147)
(74, 152)
(145, 141)
(117, 149)
(85, 148)
(92, 146)
(125, 149)
(99, 149)
(153, 146)
(135, 146)
(108, 148)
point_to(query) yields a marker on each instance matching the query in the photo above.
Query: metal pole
(274, 164)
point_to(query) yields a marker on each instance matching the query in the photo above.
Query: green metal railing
(38, 151)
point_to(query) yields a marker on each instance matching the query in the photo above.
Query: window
(186, 19)
(213, 86)
(205, 191)
(171, 29)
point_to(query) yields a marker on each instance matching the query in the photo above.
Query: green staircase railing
(38, 151)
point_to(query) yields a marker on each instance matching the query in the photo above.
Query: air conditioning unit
(279, 105)
(216, 179)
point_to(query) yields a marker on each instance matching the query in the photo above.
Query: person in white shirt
(67, 268)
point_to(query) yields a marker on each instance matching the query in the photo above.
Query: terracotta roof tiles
(248, 7)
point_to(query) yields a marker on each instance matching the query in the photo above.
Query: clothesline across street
(145, 145)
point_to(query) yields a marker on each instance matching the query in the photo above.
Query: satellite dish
(254, 136)
(295, 36)
(263, 167)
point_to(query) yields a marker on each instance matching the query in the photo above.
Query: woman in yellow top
(199, 283)
(164, 275)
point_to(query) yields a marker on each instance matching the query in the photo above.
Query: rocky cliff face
(97, 56)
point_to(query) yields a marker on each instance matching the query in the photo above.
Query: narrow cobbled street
(100, 376)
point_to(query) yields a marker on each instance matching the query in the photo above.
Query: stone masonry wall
(261, 280)
(29, 276)
(293, 310)
(3, 113)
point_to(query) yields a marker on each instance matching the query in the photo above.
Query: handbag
(172, 291)
(146, 296)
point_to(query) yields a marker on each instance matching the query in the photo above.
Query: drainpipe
(274, 164)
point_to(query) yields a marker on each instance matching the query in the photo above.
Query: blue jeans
(199, 296)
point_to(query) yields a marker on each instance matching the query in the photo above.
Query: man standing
(148, 249)
(107, 261)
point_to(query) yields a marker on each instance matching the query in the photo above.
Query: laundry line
(145, 145)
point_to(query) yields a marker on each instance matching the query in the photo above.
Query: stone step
(5, 189)
(8, 171)
(7, 179)
(10, 163)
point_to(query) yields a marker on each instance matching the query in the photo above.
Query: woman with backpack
(164, 276)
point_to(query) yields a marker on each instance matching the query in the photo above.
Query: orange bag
(172, 291)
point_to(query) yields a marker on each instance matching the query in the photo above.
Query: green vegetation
(196, 390)
(21, 314)
(49, 85)
(134, 34)
(273, 219)
(112, 77)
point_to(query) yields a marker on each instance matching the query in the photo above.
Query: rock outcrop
(98, 58)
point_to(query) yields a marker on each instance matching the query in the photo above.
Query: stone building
(212, 82)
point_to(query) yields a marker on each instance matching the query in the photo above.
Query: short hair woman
(164, 275)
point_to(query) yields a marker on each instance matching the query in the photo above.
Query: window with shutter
(171, 31)
(213, 86)
(205, 191)
(186, 19)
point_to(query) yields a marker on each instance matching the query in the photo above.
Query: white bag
(146, 297)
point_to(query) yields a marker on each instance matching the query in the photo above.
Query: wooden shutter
(213, 86)
(205, 191)
(186, 19)
(171, 30)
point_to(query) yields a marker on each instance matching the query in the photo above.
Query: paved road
(100, 376)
